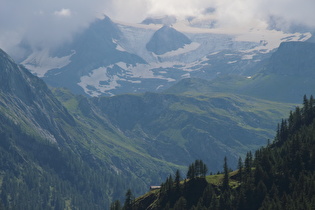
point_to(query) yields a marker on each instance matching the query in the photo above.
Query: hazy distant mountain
(94, 48)
(286, 76)
(91, 50)
(293, 59)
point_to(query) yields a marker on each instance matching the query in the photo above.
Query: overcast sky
(51, 22)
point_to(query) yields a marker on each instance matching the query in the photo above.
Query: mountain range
(110, 58)
(63, 138)
(61, 149)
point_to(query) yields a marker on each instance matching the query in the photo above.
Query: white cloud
(289, 11)
(229, 13)
(63, 12)
(137, 10)
(49, 23)
(45, 23)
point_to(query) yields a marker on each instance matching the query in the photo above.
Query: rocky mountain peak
(167, 39)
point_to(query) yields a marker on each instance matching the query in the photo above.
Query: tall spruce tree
(128, 205)
(240, 169)
(225, 185)
(177, 180)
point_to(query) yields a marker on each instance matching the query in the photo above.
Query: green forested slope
(279, 176)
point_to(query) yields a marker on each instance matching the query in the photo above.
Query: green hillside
(172, 130)
(279, 176)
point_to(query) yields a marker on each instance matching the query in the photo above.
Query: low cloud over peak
(49, 23)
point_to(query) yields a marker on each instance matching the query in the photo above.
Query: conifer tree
(225, 185)
(191, 172)
(177, 180)
(204, 170)
(248, 164)
(240, 168)
(197, 167)
(128, 200)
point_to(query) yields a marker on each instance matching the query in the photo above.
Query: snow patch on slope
(103, 79)
(269, 40)
(205, 41)
(186, 49)
(40, 62)
(94, 79)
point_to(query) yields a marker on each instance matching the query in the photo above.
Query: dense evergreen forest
(279, 176)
